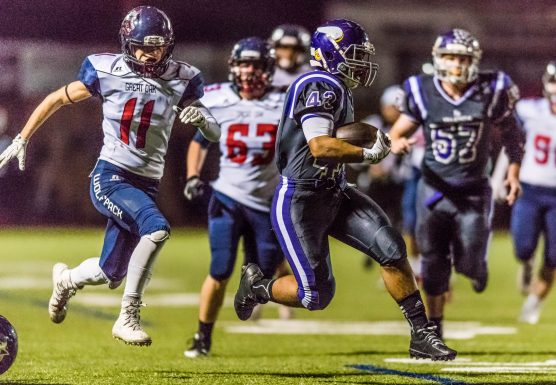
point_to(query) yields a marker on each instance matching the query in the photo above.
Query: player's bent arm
(402, 129)
(196, 156)
(317, 131)
(69, 94)
(512, 183)
(211, 130)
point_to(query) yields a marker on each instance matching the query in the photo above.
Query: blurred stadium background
(43, 44)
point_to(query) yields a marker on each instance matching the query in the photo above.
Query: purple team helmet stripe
(309, 78)
(289, 241)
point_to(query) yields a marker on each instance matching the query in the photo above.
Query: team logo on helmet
(333, 32)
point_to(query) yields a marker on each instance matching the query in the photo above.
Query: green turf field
(359, 339)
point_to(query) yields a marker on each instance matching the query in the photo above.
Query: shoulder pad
(219, 95)
(108, 63)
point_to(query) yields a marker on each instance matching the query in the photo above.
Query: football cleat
(200, 347)
(63, 289)
(425, 343)
(531, 310)
(245, 299)
(128, 326)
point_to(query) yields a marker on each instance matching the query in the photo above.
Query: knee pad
(114, 284)
(390, 245)
(318, 299)
(158, 236)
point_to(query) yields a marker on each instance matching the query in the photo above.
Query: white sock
(88, 273)
(139, 270)
(532, 301)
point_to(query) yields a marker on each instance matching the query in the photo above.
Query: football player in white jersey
(534, 212)
(291, 43)
(139, 90)
(248, 111)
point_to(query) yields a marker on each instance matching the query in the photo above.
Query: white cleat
(63, 289)
(128, 326)
(531, 310)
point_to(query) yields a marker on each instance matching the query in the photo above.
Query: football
(8, 344)
(358, 133)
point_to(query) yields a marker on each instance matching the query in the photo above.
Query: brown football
(358, 133)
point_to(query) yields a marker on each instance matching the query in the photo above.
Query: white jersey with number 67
(248, 172)
(137, 111)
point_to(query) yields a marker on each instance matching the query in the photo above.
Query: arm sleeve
(193, 91)
(89, 77)
(317, 126)
(199, 138)
(505, 117)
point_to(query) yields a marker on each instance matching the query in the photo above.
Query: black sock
(414, 310)
(206, 330)
(263, 290)
(437, 321)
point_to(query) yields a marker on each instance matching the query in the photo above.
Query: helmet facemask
(250, 77)
(149, 68)
(457, 42)
(549, 82)
(357, 68)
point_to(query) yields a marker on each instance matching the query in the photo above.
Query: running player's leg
(362, 224)
(225, 226)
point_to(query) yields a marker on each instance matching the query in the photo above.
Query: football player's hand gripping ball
(15, 150)
(380, 149)
(194, 187)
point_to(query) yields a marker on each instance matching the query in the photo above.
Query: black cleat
(200, 347)
(479, 284)
(245, 299)
(426, 344)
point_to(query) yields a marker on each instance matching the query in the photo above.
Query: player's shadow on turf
(370, 353)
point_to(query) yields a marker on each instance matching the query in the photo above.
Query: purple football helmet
(8, 344)
(342, 48)
(456, 42)
(549, 82)
(257, 51)
(147, 28)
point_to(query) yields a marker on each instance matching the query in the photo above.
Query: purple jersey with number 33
(137, 112)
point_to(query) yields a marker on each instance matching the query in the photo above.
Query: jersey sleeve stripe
(89, 77)
(298, 85)
(319, 115)
(417, 96)
(498, 87)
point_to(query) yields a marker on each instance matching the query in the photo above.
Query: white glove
(191, 115)
(14, 150)
(380, 149)
(194, 188)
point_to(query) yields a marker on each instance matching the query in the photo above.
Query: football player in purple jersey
(313, 200)
(458, 108)
(140, 89)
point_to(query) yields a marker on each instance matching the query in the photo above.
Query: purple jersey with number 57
(137, 111)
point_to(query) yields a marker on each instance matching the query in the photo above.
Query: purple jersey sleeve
(412, 92)
(89, 77)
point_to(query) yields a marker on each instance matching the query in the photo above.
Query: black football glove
(194, 187)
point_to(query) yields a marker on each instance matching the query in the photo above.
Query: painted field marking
(421, 376)
(466, 365)
(462, 330)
